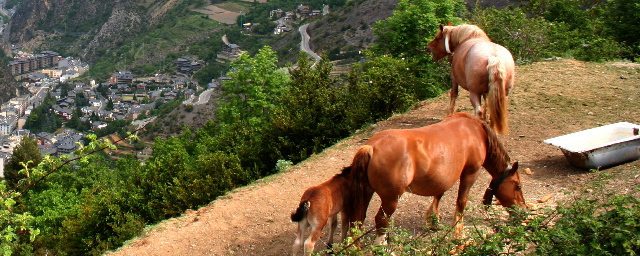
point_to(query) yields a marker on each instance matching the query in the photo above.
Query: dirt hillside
(550, 99)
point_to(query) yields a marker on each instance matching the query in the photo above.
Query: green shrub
(528, 39)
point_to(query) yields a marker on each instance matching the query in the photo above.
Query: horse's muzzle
(487, 199)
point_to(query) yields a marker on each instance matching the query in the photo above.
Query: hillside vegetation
(269, 118)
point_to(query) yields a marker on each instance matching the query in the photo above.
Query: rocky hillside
(84, 28)
(8, 84)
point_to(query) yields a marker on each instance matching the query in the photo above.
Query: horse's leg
(466, 181)
(432, 216)
(316, 232)
(334, 224)
(484, 112)
(476, 102)
(302, 227)
(453, 95)
(345, 225)
(387, 208)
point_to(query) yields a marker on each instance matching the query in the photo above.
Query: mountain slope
(8, 84)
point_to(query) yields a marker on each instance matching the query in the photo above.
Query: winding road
(304, 45)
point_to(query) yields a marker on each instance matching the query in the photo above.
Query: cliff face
(8, 84)
(123, 22)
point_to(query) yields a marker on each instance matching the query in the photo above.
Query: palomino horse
(428, 161)
(480, 66)
(320, 204)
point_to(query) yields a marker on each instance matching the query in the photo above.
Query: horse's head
(507, 188)
(439, 47)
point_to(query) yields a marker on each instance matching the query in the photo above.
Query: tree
(623, 22)
(26, 152)
(255, 84)
(75, 122)
(109, 105)
(413, 24)
(310, 115)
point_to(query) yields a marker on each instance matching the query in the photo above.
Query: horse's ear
(449, 23)
(514, 167)
(441, 27)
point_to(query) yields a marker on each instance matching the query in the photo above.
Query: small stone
(528, 171)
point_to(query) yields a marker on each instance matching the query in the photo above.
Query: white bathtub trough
(600, 147)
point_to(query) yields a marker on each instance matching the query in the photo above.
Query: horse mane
(346, 171)
(496, 152)
(461, 33)
(355, 206)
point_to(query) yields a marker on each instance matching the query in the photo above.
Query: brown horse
(480, 66)
(428, 161)
(318, 205)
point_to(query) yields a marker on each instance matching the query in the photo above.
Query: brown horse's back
(426, 161)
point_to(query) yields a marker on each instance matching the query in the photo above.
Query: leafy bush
(621, 20)
(527, 38)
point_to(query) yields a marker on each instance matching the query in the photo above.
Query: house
(188, 93)
(115, 97)
(8, 124)
(10, 111)
(141, 86)
(44, 138)
(276, 14)
(289, 16)
(303, 10)
(95, 103)
(281, 28)
(98, 125)
(162, 79)
(156, 94)
(188, 64)
(170, 96)
(66, 142)
(123, 88)
(36, 76)
(90, 95)
(66, 102)
(62, 112)
(121, 77)
(231, 50)
(70, 74)
(180, 83)
(53, 72)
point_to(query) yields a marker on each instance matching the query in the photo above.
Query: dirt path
(549, 99)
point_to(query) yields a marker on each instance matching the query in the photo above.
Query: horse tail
(301, 212)
(355, 206)
(497, 98)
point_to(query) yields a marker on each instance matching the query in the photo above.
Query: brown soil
(550, 99)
